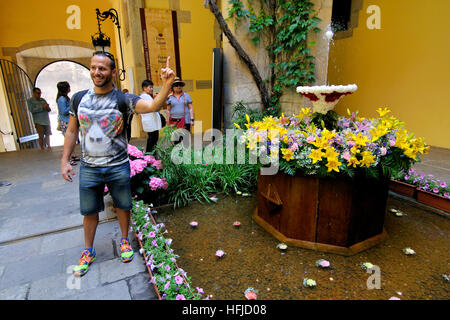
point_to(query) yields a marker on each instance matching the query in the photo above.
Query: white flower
(367, 265)
(309, 283)
(408, 251)
(141, 251)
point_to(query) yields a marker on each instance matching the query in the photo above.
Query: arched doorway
(76, 74)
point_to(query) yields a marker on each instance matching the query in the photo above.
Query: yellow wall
(404, 66)
(30, 20)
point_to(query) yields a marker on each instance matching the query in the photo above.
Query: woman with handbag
(179, 106)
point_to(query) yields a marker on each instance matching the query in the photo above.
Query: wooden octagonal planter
(343, 216)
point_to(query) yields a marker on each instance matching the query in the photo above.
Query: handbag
(58, 127)
(179, 123)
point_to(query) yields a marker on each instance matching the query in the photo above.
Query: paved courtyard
(41, 233)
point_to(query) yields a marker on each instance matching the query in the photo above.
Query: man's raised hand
(167, 74)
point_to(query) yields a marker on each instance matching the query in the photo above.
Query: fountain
(339, 215)
(324, 98)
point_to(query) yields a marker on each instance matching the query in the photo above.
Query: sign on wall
(160, 37)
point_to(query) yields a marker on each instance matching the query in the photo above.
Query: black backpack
(123, 107)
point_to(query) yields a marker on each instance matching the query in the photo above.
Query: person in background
(179, 105)
(63, 102)
(40, 109)
(153, 121)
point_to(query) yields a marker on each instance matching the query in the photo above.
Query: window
(341, 14)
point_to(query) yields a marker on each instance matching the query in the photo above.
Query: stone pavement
(41, 237)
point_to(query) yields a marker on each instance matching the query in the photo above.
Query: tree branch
(263, 91)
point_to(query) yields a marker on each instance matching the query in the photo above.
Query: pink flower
(149, 159)
(391, 142)
(154, 243)
(134, 151)
(294, 147)
(347, 155)
(310, 139)
(220, 253)
(443, 184)
(158, 183)
(383, 151)
(106, 189)
(132, 170)
(323, 263)
(394, 298)
(199, 290)
(447, 195)
(157, 164)
(138, 165)
(151, 234)
(167, 285)
(350, 143)
(436, 190)
(180, 297)
(178, 280)
(236, 224)
(250, 294)
(194, 224)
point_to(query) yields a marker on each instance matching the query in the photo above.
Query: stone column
(238, 81)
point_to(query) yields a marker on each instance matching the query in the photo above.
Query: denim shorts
(92, 185)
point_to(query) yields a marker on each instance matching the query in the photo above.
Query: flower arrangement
(346, 146)
(171, 281)
(425, 182)
(145, 173)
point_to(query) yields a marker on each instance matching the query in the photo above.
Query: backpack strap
(127, 115)
(76, 100)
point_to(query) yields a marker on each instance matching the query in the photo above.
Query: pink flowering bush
(146, 175)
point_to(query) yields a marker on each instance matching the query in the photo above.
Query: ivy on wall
(283, 26)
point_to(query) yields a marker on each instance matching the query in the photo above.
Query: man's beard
(107, 81)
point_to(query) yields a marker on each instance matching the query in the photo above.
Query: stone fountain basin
(343, 216)
(324, 98)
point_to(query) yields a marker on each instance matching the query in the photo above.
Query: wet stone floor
(252, 258)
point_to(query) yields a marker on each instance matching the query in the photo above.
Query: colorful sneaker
(83, 264)
(127, 252)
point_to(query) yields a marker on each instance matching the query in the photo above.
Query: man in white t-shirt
(153, 121)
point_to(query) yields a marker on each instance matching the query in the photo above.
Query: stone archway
(47, 78)
(34, 56)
